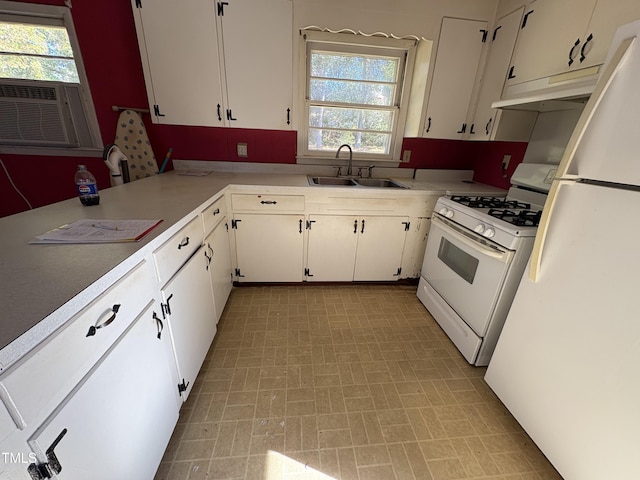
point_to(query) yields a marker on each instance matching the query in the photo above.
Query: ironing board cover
(132, 140)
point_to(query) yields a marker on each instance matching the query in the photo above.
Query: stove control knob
(489, 232)
(479, 228)
(445, 212)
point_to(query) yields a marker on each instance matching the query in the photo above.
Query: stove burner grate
(489, 202)
(521, 218)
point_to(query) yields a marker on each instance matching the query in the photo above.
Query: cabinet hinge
(484, 35)
(166, 307)
(52, 467)
(307, 273)
(138, 3)
(463, 129)
(182, 387)
(495, 32)
(156, 111)
(238, 273)
(234, 224)
(397, 274)
(309, 222)
(230, 115)
(221, 6)
(406, 226)
(525, 18)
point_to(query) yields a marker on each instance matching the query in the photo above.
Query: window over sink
(355, 94)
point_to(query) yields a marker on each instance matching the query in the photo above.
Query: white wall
(400, 17)
(551, 135)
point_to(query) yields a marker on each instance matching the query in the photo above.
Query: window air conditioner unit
(38, 113)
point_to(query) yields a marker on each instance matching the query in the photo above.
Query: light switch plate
(242, 150)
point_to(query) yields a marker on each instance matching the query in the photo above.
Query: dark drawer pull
(94, 328)
(183, 243)
(268, 202)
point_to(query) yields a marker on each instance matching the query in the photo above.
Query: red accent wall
(109, 48)
(484, 158)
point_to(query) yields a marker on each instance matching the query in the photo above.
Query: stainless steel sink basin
(355, 182)
(336, 181)
(379, 182)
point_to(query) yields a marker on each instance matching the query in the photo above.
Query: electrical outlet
(505, 161)
(406, 156)
(242, 150)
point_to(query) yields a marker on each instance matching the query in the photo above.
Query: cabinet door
(119, 419)
(191, 316)
(179, 50)
(380, 247)
(269, 248)
(258, 58)
(607, 17)
(502, 41)
(331, 251)
(551, 29)
(454, 77)
(220, 272)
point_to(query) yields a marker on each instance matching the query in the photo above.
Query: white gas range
(476, 253)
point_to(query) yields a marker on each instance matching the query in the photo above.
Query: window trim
(61, 16)
(358, 42)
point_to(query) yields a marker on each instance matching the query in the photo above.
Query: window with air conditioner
(355, 94)
(44, 96)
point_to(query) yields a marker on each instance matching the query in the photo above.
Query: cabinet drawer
(52, 370)
(267, 203)
(177, 250)
(212, 214)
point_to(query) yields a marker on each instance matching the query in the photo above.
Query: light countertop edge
(43, 286)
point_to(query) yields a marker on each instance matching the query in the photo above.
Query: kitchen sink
(342, 182)
(355, 182)
(379, 182)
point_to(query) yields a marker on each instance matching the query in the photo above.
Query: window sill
(360, 162)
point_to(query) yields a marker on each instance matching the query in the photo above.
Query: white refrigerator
(567, 364)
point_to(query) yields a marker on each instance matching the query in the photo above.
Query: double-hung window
(44, 96)
(355, 94)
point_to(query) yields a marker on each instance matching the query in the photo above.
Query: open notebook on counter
(98, 231)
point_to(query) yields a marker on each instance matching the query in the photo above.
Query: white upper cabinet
(607, 17)
(217, 63)
(551, 33)
(560, 36)
(258, 58)
(502, 41)
(454, 77)
(178, 46)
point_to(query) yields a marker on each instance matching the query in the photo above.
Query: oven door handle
(469, 240)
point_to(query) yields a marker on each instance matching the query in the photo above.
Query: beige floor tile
(342, 382)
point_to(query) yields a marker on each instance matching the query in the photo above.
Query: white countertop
(43, 285)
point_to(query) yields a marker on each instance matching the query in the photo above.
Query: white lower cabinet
(118, 421)
(219, 266)
(269, 248)
(188, 307)
(351, 248)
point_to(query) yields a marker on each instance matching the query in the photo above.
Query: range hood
(559, 92)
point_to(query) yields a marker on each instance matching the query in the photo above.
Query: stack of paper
(99, 231)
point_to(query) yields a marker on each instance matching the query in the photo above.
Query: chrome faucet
(349, 166)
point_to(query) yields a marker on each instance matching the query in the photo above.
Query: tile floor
(344, 382)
